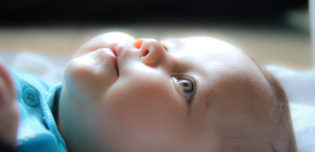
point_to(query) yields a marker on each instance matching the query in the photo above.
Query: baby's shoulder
(36, 102)
(22, 80)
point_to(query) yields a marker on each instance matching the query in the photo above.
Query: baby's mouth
(116, 53)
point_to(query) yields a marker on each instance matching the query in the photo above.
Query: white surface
(312, 15)
(303, 119)
(299, 86)
(48, 68)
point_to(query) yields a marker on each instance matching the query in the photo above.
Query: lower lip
(116, 66)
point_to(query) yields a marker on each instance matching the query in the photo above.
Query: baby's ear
(7, 90)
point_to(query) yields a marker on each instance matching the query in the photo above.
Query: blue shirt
(38, 105)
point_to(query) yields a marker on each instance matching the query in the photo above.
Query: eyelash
(187, 95)
(165, 47)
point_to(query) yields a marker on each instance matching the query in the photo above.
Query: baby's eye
(187, 86)
(165, 47)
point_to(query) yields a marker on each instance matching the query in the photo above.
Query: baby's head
(187, 94)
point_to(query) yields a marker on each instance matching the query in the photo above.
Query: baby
(119, 94)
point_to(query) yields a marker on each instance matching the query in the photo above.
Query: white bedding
(299, 86)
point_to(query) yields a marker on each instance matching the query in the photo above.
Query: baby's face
(189, 94)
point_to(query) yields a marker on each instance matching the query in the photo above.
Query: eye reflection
(186, 85)
(165, 47)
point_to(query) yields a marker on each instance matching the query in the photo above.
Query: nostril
(144, 52)
(137, 44)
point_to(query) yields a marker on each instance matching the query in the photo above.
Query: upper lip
(115, 52)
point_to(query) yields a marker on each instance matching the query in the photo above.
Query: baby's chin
(91, 74)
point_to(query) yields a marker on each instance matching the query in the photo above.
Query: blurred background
(273, 32)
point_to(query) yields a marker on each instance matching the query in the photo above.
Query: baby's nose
(152, 51)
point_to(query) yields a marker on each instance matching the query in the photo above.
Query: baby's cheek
(141, 113)
(142, 109)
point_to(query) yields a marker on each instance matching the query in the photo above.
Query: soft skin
(9, 112)
(123, 95)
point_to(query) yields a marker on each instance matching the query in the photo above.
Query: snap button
(30, 96)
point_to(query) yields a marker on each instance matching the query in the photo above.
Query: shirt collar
(50, 112)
